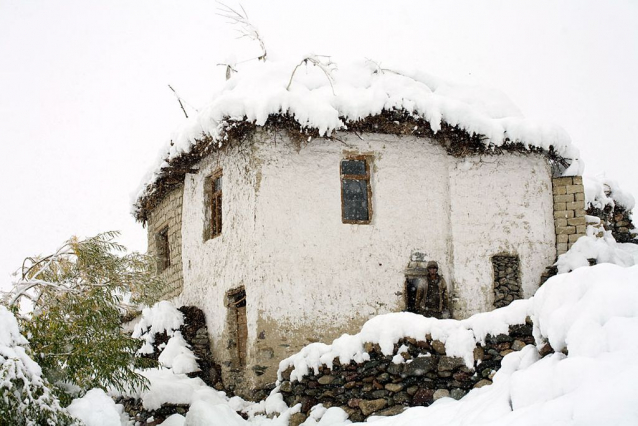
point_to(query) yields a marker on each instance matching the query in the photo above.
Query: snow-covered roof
(322, 99)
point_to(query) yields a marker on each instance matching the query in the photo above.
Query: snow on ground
(604, 250)
(591, 313)
(96, 408)
(322, 100)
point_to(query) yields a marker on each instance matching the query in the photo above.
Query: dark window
(355, 191)
(213, 197)
(163, 250)
(411, 284)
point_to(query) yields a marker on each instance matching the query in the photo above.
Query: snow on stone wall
(310, 277)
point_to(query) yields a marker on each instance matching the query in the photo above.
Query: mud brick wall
(168, 214)
(569, 211)
(381, 387)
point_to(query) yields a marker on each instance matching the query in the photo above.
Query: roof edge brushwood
(457, 142)
(361, 98)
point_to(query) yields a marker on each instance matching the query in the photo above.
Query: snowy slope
(589, 316)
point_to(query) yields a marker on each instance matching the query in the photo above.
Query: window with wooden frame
(213, 197)
(163, 250)
(356, 194)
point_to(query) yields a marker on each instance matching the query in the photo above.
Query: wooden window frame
(366, 177)
(163, 247)
(214, 206)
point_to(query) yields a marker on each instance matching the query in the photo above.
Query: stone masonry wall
(169, 214)
(616, 219)
(195, 333)
(569, 211)
(381, 387)
(507, 280)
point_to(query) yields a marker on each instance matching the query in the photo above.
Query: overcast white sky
(84, 102)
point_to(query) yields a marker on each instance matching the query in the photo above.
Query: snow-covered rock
(96, 408)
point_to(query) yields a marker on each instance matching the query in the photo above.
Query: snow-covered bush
(25, 397)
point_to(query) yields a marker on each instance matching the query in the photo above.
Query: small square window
(356, 193)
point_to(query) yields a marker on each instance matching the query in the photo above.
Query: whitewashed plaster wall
(214, 266)
(499, 204)
(306, 271)
(314, 269)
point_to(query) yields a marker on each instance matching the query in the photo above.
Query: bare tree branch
(245, 27)
(178, 100)
(229, 70)
(322, 62)
(379, 70)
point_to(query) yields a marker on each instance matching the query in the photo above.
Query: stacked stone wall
(569, 211)
(168, 214)
(381, 387)
(616, 219)
(195, 333)
(507, 280)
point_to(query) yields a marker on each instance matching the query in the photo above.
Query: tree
(75, 298)
(25, 397)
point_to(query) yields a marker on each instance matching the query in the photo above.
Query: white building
(294, 227)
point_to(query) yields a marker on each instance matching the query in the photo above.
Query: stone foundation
(381, 387)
